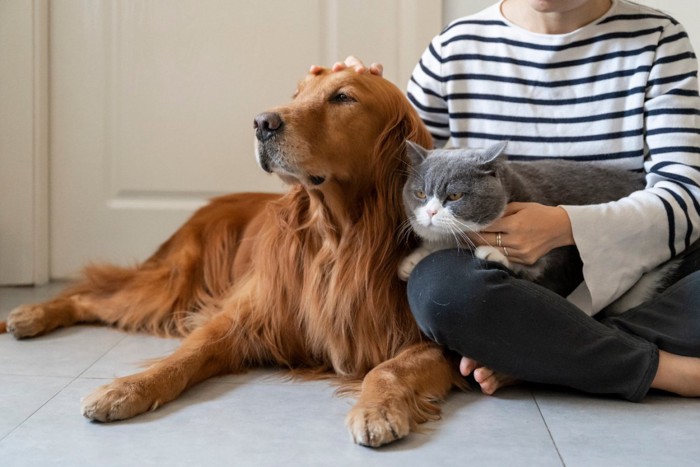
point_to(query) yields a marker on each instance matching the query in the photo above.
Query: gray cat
(453, 191)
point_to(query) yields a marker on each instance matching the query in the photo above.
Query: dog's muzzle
(267, 125)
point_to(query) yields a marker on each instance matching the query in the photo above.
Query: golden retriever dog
(305, 281)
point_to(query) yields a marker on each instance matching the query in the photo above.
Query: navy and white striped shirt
(622, 90)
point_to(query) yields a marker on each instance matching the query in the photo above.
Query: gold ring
(505, 251)
(498, 240)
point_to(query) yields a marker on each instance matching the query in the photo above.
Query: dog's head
(341, 128)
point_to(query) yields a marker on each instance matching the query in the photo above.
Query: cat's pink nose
(431, 212)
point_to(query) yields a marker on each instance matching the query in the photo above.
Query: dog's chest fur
(339, 291)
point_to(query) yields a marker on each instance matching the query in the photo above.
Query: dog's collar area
(316, 180)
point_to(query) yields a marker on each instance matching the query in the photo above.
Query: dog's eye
(342, 98)
(420, 194)
(455, 196)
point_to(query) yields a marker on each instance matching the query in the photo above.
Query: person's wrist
(566, 234)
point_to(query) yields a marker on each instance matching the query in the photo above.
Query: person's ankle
(678, 374)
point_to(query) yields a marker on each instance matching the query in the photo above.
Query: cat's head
(450, 191)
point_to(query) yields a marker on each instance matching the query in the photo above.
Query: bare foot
(490, 381)
(467, 365)
(678, 374)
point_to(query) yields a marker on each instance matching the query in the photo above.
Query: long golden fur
(306, 280)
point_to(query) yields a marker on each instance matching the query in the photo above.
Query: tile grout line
(554, 443)
(35, 411)
(100, 357)
(71, 381)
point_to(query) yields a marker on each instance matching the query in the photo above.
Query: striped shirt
(622, 91)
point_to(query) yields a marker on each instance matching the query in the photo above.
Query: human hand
(351, 62)
(527, 231)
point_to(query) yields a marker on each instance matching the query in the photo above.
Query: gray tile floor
(260, 419)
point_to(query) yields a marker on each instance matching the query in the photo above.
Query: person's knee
(693, 280)
(446, 290)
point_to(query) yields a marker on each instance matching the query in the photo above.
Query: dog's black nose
(267, 124)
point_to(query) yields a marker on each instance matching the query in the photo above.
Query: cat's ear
(416, 153)
(495, 153)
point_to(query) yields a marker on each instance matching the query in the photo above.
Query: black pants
(513, 326)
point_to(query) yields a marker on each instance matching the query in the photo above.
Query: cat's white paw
(406, 267)
(491, 253)
(409, 262)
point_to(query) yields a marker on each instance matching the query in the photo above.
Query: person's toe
(467, 366)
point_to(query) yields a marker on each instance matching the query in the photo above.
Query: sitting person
(587, 80)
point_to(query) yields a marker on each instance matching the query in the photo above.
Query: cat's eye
(455, 196)
(420, 194)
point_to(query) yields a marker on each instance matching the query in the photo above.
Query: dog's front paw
(377, 424)
(491, 253)
(26, 321)
(117, 401)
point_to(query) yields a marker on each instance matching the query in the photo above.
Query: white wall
(453, 9)
(23, 141)
(685, 11)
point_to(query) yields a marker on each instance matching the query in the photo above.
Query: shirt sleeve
(621, 240)
(426, 91)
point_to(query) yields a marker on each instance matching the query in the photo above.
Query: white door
(152, 103)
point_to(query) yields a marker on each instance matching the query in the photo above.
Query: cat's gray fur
(488, 181)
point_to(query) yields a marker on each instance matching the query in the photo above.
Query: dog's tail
(3, 327)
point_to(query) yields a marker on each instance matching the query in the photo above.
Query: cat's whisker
(464, 227)
(478, 234)
(460, 236)
(405, 231)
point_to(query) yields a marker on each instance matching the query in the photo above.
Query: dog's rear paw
(377, 425)
(26, 321)
(117, 401)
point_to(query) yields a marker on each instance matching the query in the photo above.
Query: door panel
(152, 104)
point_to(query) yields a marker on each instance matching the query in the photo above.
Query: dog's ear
(416, 153)
(414, 128)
